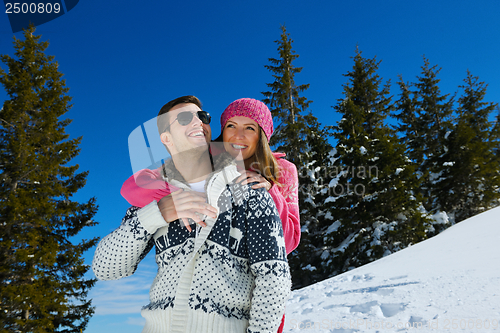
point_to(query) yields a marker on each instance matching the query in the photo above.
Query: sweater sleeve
(268, 264)
(145, 186)
(286, 198)
(118, 254)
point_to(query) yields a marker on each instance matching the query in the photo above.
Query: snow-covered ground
(449, 283)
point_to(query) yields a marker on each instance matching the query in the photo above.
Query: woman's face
(241, 135)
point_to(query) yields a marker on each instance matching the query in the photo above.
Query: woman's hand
(186, 205)
(251, 176)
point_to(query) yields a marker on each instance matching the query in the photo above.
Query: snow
(330, 199)
(333, 227)
(328, 216)
(309, 200)
(309, 268)
(449, 283)
(312, 173)
(440, 218)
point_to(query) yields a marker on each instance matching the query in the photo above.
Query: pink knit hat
(253, 109)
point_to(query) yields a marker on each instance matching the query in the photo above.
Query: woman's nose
(240, 133)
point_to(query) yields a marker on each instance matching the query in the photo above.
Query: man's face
(179, 138)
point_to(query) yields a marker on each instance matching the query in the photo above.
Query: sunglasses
(185, 118)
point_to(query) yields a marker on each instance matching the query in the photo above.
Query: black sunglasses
(185, 118)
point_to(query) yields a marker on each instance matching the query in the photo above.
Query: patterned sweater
(148, 185)
(231, 276)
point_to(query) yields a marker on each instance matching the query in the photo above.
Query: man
(230, 275)
(190, 141)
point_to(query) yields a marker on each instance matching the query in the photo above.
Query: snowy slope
(449, 283)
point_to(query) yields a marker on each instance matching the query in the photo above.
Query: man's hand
(184, 205)
(249, 176)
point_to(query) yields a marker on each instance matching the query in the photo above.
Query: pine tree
(408, 122)
(305, 261)
(495, 143)
(305, 142)
(495, 136)
(42, 284)
(373, 207)
(434, 111)
(286, 104)
(470, 181)
(425, 117)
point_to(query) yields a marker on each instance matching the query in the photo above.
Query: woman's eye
(251, 128)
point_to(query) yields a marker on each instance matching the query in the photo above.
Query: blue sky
(123, 60)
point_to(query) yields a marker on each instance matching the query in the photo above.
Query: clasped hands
(184, 205)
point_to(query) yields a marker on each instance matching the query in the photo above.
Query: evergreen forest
(396, 169)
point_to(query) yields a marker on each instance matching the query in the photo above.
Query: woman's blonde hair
(265, 163)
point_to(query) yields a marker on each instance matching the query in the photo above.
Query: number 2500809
(25, 8)
(470, 324)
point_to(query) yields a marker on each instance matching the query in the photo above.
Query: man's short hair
(162, 119)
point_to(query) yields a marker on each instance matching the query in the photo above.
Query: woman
(247, 126)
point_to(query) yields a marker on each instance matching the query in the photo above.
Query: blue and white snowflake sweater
(231, 276)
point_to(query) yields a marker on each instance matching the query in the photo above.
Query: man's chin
(194, 149)
(196, 141)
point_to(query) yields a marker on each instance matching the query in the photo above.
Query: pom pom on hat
(250, 108)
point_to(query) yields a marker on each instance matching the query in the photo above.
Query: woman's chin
(237, 154)
(237, 157)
